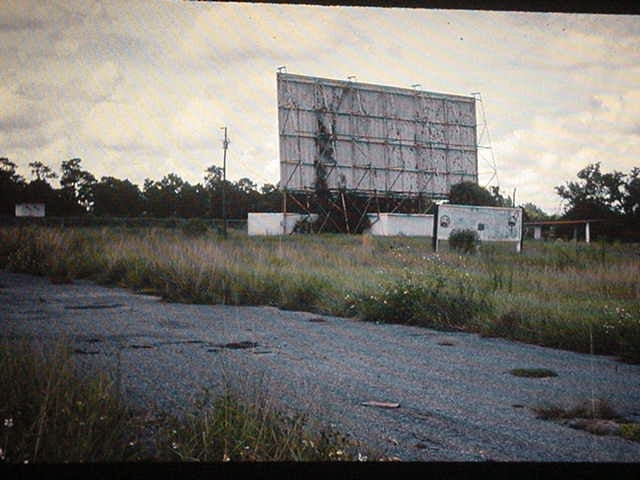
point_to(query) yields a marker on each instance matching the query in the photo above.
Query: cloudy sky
(139, 89)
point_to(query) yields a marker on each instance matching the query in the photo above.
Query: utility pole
(225, 145)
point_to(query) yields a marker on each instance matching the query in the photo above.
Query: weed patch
(597, 417)
(229, 430)
(630, 431)
(50, 415)
(421, 302)
(464, 241)
(600, 409)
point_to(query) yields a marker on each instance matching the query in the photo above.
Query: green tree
(533, 213)
(631, 199)
(12, 187)
(614, 197)
(42, 172)
(119, 198)
(77, 186)
(77, 183)
(470, 193)
(595, 194)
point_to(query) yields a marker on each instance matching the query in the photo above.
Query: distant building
(30, 210)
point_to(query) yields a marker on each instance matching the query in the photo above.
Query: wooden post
(284, 212)
(537, 232)
(587, 233)
(435, 228)
(225, 145)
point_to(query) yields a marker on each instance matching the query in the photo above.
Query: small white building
(275, 223)
(30, 210)
(491, 224)
(401, 224)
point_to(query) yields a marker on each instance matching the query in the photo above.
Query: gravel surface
(458, 401)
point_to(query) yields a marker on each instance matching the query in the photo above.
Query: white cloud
(139, 89)
(554, 148)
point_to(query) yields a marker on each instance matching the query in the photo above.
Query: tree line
(613, 197)
(80, 193)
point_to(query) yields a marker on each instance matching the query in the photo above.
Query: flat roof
(563, 222)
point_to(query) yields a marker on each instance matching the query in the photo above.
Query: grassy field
(565, 295)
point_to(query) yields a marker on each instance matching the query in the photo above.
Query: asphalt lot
(458, 401)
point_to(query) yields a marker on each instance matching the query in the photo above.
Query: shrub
(464, 241)
(303, 225)
(424, 303)
(195, 227)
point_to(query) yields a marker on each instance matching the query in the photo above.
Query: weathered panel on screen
(370, 138)
(492, 224)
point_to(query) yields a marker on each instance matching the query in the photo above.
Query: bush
(421, 303)
(195, 227)
(464, 241)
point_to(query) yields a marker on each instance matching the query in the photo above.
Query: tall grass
(556, 294)
(49, 414)
(49, 417)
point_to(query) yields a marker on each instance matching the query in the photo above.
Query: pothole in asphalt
(533, 372)
(318, 320)
(93, 306)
